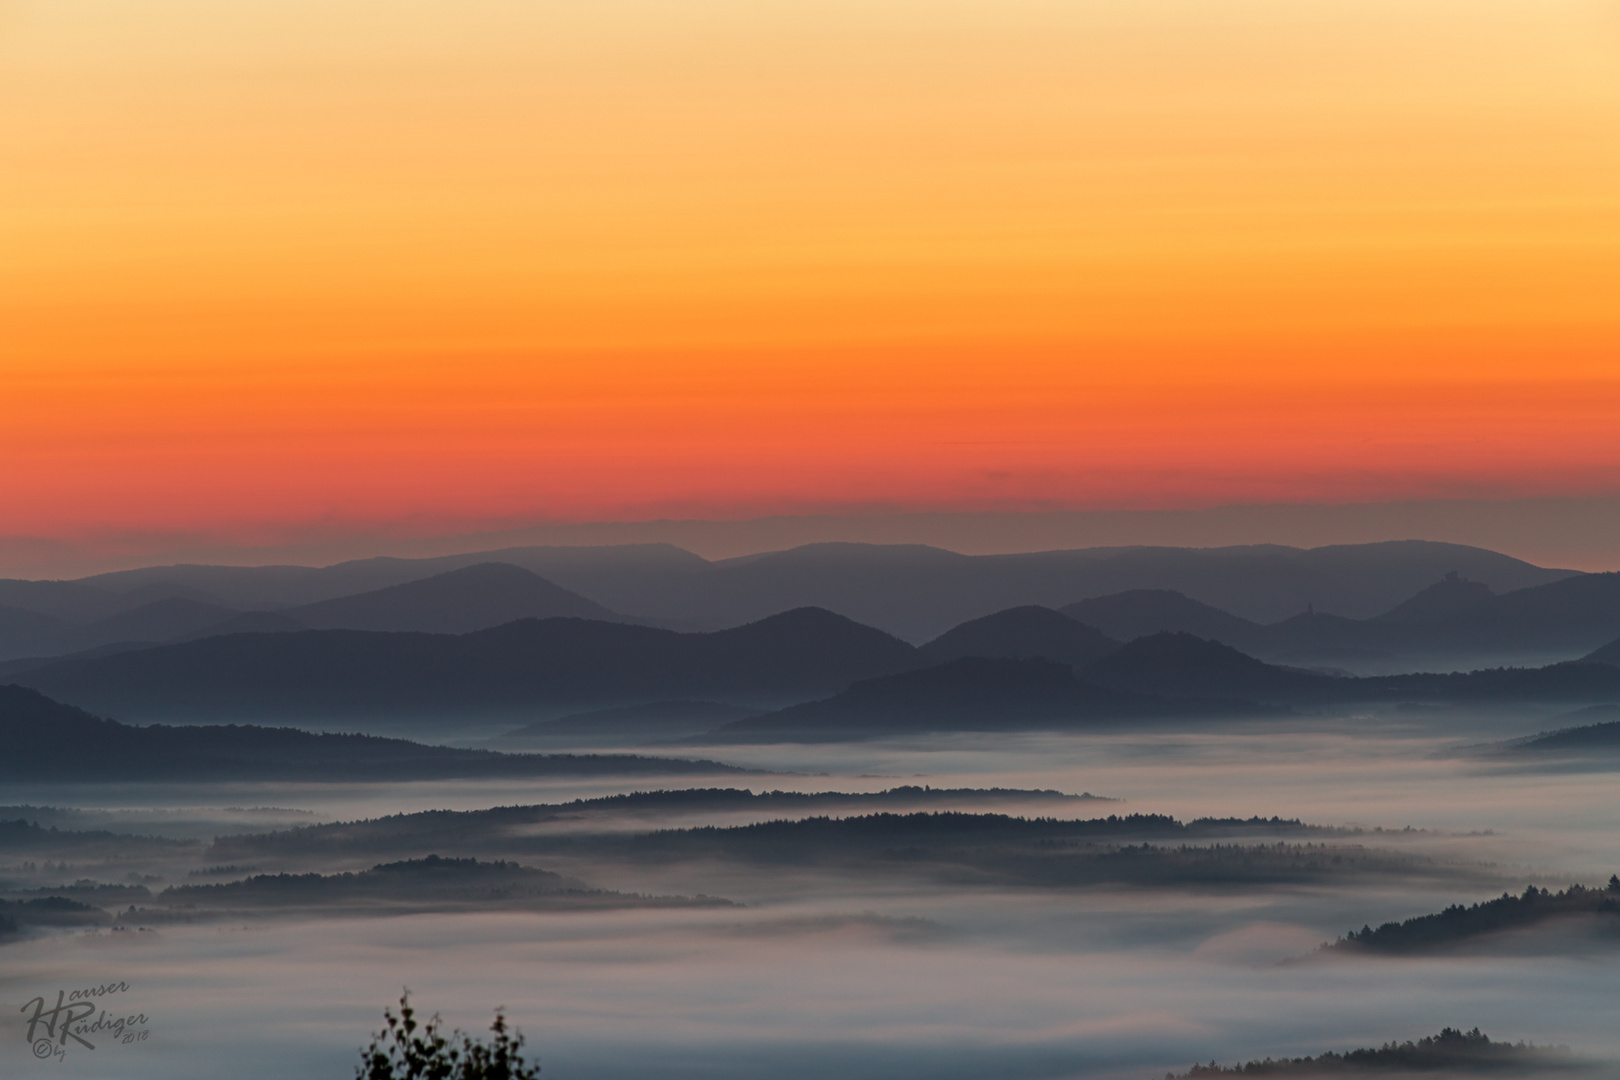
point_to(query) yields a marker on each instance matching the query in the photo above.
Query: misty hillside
(1452, 623)
(1021, 633)
(912, 591)
(46, 740)
(579, 569)
(1555, 683)
(1599, 738)
(961, 848)
(457, 602)
(493, 829)
(971, 694)
(918, 592)
(430, 883)
(160, 620)
(1447, 598)
(518, 671)
(1182, 665)
(1136, 613)
(247, 622)
(1161, 676)
(1457, 926)
(48, 911)
(427, 884)
(23, 836)
(1608, 654)
(1450, 1053)
(654, 719)
(29, 633)
(1574, 615)
(76, 602)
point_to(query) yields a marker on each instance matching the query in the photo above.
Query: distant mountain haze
(1608, 654)
(23, 632)
(1139, 612)
(160, 620)
(1445, 620)
(918, 593)
(456, 602)
(1450, 596)
(1450, 624)
(1182, 665)
(47, 740)
(526, 670)
(970, 694)
(247, 622)
(655, 719)
(1159, 677)
(277, 587)
(1021, 633)
(74, 602)
(470, 598)
(912, 591)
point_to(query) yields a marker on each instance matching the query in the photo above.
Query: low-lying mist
(843, 965)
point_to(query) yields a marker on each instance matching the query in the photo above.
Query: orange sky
(265, 265)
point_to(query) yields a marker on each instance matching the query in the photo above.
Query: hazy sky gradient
(339, 266)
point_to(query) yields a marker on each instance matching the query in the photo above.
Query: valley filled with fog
(875, 965)
(1059, 831)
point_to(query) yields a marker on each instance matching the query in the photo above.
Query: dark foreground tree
(407, 1050)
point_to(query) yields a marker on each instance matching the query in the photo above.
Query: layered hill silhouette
(970, 694)
(25, 633)
(1608, 654)
(1458, 926)
(160, 620)
(912, 591)
(1137, 613)
(1169, 675)
(650, 720)
(918, 592)
(1029, 632)
(533, 671)
(471, 598)
(580, 569)
(520, 671)
(1451, 1053)
(456, 602)
(433, 883)
(1447, 598)
(1184, 665)
(1599, 738)
(46, 740)
(1451, 623)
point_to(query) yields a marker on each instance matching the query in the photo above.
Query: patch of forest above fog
(462, 859)
(408, 886)
(1458, 926)
(950, 846)
(1450, 1053)
(415, 884)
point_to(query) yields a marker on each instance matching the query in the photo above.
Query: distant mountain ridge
(519, 671)
(47, 740)
(459, 601)
(1453, 622)
(969, 694)
(911, 591)
(530, 671)
(1029, 632)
